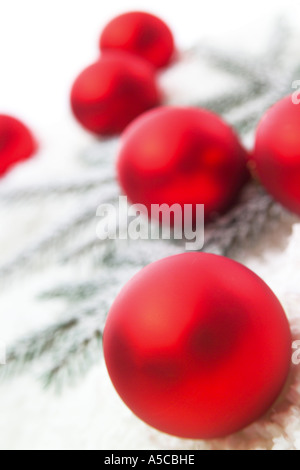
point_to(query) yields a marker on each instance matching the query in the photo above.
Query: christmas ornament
(182, 156)
(109, 94)
(276, 158)
(141, 34)
(197, 346)
(16, 143)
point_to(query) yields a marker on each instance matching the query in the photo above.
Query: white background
(44, 44)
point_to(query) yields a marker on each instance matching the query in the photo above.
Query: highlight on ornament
(205, 343)
(133, 222)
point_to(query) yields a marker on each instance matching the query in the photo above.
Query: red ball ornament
(276, 156)
(16, 143)
(141, 34)
(197, 346)
(109, 94)
(182, 156)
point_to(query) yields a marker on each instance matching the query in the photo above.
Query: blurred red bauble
(109, 94)
(197, 346)
(16, 143)
(276, 156)
(141, 34)
(182, 156)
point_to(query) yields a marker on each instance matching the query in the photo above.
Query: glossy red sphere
(182, 156)
(109, 94)
(197, 346)
(16, 143)
(141, 34)
(276, 156)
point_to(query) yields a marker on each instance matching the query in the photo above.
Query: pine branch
(53, 340)
(102, 153)
(41, 247)
(247, 221)
(32, 348)
(278, 42)
(85, 248)
(280, 89)
(33, 253)
(72, 293)
(55, 189)
(238, 65)
(75, 360)
(229, 101)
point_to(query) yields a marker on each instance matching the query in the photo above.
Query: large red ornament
(197, 346)
(16, 143)
(276, 156)
(182, 156)
(109, 94)
(141, 34)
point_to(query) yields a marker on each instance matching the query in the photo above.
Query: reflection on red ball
(277, 153)
(141, 34)
(197, 346)
(109, 94)
(16, 143)
(182, 156)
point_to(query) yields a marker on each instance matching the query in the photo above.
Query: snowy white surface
(42, 47)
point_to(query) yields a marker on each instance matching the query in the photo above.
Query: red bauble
(16, 143)
(141, 34)
(277, 153)
(109, 94)
(197, 346)
(182, 156)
